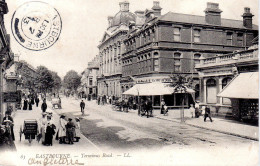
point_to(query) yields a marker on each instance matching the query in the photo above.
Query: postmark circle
(36, 25)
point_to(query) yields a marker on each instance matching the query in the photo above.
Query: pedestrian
(77, 129)
(25, 104)
(70, 131)
(59, 102)
(50, 131)
(37, 100)
(62, 129)
(207, 114)
(165, 110)
(10, 119)
(82, 106)
(149, 108)
(30, 104)
(42, 126)
(192, 111)
(32, 100)
(197, 109)
(162, 106)
(44, 105)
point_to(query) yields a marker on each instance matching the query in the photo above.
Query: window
(229, 38)
(90, 81)
(196, 35)
(156, 65)
(176, 34)
(225, 81)
(155, 55)
(240, 39)
(211, 91)
(177, 61)
(197, 58)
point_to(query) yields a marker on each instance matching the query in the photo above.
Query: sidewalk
(225, 126)
(24, 148)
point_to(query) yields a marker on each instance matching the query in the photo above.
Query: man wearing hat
(71, 131)
(62, 129)
(44, 105)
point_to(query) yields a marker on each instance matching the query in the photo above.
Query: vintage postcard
(129, 82)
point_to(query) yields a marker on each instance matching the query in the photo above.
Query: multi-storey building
(110, 50)
(174, 43)
(91, 81)
(229, 83)
(6, 56)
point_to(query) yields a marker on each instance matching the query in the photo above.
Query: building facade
(216, 74)
(110, 50)
(6, 56)
(175, 43)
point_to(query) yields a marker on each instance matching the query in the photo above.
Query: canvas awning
(153, 89)
(244, 86)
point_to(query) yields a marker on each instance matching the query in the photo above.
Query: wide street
(110, 136)
(126, 132)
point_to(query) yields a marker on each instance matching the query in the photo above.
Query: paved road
(127, 132)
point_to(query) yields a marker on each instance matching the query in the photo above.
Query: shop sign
(10, 96)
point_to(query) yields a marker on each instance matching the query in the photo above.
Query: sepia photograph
(129, 83)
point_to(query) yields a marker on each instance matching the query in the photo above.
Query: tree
(71, 80)
(56, 81)
(44, 80)
(181, 83)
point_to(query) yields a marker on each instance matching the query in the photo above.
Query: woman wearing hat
(162, 106)
(42, 126)
(50, 130)
(70, 130)
(77, 129)
(62, 129)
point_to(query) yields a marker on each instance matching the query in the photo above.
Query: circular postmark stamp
(36, 25)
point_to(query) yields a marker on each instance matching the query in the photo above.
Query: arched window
(211, 91)
(225, 81)
(155, 54)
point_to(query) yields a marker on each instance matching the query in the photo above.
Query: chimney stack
(156, 8)
(213, 14)
(247, 18)
(124, 6)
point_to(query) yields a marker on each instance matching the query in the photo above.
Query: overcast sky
(84, 23)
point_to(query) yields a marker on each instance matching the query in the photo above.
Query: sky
(85, 21)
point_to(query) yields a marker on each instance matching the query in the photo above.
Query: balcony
(237, 57)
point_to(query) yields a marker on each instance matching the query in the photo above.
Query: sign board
(11, 96)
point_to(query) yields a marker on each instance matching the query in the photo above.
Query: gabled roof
(194, 19)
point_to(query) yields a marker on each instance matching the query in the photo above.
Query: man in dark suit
(44, 105)
(207, 114)
(82, 106)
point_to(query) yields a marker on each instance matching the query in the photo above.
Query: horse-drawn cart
(29, 129)
(56, 103)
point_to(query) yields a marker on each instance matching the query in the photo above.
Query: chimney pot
(247, 18)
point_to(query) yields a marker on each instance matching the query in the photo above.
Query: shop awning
(153, 89)
(244, 86)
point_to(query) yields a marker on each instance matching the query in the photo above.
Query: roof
(195, 19)
(244, 86)
(123, 17)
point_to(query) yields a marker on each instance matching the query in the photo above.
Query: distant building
(174, 43)
(229, 83)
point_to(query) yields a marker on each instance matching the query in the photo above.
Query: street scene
(129, 83)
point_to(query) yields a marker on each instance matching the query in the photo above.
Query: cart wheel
(21, 132)
(30, 139)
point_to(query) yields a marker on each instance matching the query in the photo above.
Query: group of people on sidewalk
(30, 101)
(197, 111)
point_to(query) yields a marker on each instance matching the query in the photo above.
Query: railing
(230, 58)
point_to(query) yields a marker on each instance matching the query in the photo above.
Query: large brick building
(174, 43)
(110, 50)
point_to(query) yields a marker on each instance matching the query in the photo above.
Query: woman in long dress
(50, 131)
(25, 104)
(77, 129)
(42, 126)
(62, 129)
